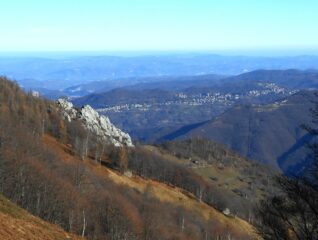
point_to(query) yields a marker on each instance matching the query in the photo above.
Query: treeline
(154, 166)
(199, 148)
(254, 179)
(71, 194)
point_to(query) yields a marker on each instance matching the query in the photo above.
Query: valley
(159, 120)
(269, 134)
(211, 154)
(200, 99)
(263, 105)
(150, 114)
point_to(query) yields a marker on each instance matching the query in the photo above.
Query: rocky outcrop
(97, 124)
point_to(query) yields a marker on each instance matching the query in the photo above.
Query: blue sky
(158, 25)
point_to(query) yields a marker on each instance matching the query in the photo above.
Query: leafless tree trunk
(84, 224)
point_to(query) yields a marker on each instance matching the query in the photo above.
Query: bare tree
(293, 213)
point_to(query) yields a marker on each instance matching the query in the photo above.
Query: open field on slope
(18, 224)
(163, 192)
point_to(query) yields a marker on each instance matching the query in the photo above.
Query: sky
(158, 25)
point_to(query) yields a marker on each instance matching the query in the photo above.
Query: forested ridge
(59, 171)
(70, 188)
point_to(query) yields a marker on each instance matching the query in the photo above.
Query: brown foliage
(70, 194)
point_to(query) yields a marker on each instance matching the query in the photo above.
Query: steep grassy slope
(18, 224)
(167, 194)
(231, 173)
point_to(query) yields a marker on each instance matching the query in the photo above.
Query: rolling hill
(141, 83)
(292, 78)
(150, 111)
(268, 133)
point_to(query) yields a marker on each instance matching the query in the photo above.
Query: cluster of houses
(200, 99)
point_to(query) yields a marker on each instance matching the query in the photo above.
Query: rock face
(227, 212)
(97, 124)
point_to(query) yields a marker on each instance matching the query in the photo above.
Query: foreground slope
(162, 192)
(16, 224)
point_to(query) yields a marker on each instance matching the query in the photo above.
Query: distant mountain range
(61, 73)
(292, 79)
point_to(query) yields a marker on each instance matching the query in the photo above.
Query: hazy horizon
(266, 27)
(231, 53)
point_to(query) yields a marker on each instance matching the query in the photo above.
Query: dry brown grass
(179, 197)
(18, 224)
(161, 191)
